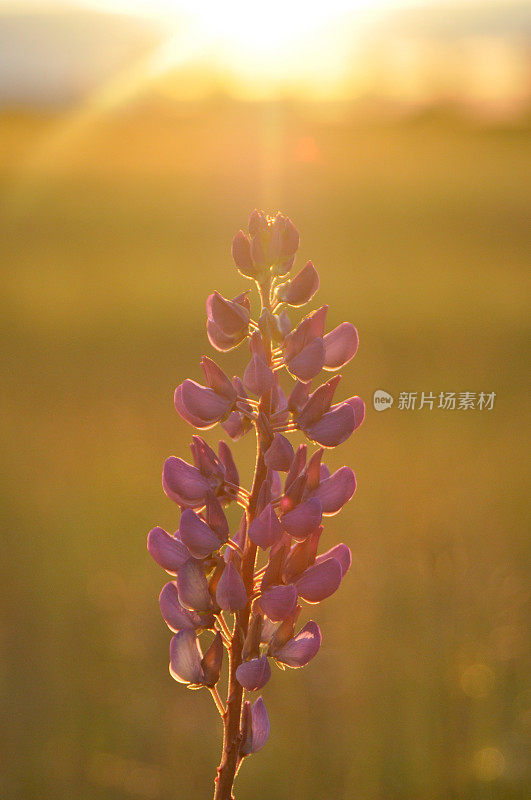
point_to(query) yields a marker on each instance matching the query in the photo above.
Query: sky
(323, 50)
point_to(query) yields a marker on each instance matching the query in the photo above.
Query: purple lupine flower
(215, 571)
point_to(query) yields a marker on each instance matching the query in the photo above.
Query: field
(114, 230)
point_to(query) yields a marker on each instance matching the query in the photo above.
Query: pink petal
(309, 362)
(301, 288)
(313, 471)
(255, 727)
(341, 345)
(227, 459)
(358, 406)
(241, 253)
(183, 483)
(212, 661)
(320, 581)
(304, 519)
(265, 529)
(258, 377)
(200, 540)
(254, 674)
(192, 587)
(302, 648)
(336, 490)
(230, 317)
(219, 340)
(230, 591)
(166, 550)
(279, 455)
(341, 552)
(206, 460)
(185, 658)
(203, 403)
(173, 613)
(278, 602)
(301, 556)
(318, 403)
(217, 380)
(334, 427)
(215, 517)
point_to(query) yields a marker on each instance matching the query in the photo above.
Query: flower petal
(341, 552)
(217, 380)
(183, 483)
(318, 403)
(258, 377)
(185, 658)
(241, 253)
(255, 727)
(212, 661)
(230, 592)
(192, 587)
(219, 340)
(358, 406)
(336, 490)
(227, 459)
(174, 614)
(309, 362)
(341, 344)
(169, 553)
(279, 454)
(265, 529)
(254, 674)
(334, 427)
(203, 403)
(320, 581)
(278, 602)
(302, 648)
(301, 288)
(198, 537)
(303, 519)
(231, 317)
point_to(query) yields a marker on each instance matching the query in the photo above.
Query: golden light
(258, 47)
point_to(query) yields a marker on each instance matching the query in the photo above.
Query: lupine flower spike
(243, 592)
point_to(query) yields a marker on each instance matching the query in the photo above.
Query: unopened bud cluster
(265, 570)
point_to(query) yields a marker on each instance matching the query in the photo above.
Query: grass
(113, 236)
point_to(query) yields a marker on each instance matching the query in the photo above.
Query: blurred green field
(114, 231)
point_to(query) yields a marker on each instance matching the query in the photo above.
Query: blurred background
(135, 138)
